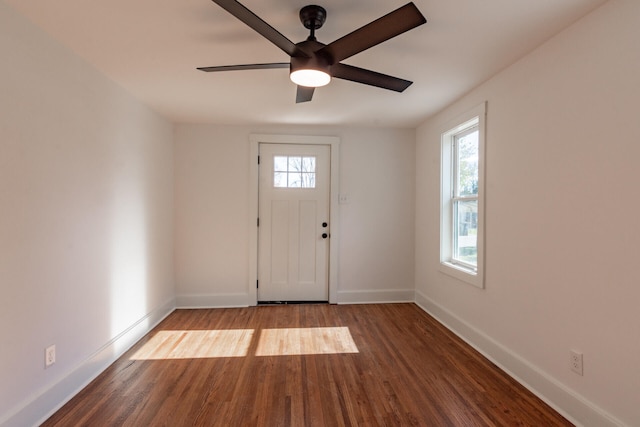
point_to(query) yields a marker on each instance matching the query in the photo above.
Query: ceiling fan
(312, 63)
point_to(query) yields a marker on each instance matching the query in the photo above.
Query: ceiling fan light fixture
(310, 72)
(310, 78)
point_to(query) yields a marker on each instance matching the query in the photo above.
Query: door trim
(334, 143)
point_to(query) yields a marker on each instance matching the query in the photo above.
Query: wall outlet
(575, 362)
(49, 356)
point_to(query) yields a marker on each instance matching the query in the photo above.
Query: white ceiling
(152, 48)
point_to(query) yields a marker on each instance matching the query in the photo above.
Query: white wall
(212, 213)
(562, 236)
(86, 197)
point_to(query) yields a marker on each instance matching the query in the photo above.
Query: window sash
(457, 199)
(455, 256)
(456, 158)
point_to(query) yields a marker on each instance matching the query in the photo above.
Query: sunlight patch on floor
(299, 341)
(200, 344)
(196, 344)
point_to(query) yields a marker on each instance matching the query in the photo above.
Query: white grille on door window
(294, 171)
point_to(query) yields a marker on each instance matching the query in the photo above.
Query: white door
(293, 209)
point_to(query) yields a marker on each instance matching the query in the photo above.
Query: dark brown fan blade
(264, 29)
(304, 94)
(367, 77)
(393, 24)
(246, 67)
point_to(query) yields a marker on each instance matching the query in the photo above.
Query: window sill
(463, 274)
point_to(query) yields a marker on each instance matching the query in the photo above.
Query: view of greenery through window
(466, 197)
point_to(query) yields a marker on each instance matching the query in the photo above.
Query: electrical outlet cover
(575, 362)
(50, 356)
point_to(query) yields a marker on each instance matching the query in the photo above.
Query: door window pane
(295, 180)
(280, 179)
(308, 180)
(280, 163)
(295, 164)
(309, 164)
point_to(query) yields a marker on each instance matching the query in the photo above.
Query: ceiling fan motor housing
(311, 60)
(313, 16)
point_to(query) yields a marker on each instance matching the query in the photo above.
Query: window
(461, 216)
(294, 172)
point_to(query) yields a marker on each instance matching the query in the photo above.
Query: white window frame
(460, 270)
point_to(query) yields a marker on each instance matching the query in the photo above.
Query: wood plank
(408, 370)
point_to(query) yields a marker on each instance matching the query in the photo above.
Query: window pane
(308, 164)
(467, 152)
(309, 180)
(295, 180)
(280, 163)
(295, 164)
(466, 231)
(280, 179)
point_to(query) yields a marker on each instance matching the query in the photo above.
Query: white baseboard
(36, 410)
(571, 405)
(213, 301)
(243, 299)
(376, 296)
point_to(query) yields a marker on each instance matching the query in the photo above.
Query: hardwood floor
(256, 367)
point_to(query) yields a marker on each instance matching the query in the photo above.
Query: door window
(294, 171)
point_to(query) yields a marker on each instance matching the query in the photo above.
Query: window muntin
(294, 171)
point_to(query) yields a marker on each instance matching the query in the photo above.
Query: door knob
(324, 224)
(325, 235)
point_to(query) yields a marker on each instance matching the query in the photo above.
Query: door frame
(334, 144)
